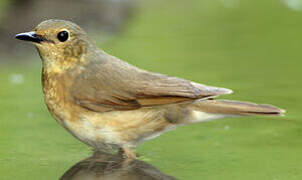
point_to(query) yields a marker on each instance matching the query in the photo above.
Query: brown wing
(111, 84)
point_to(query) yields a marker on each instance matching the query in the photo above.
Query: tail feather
(228, 107)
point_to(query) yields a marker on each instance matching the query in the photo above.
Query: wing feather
(111, 84)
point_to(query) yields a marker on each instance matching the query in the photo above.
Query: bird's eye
(63, 36)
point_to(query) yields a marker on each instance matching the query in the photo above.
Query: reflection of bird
(108, 103)
(113, 167)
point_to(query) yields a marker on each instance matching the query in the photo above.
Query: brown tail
(229, 107)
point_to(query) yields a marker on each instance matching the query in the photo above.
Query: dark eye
(63, 36)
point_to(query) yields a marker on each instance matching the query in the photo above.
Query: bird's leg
(127, 153)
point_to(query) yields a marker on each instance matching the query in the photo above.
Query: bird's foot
(127, 154)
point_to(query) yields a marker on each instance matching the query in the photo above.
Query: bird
(114, 106)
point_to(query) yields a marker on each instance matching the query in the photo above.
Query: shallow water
(114, 167)
(252, 47)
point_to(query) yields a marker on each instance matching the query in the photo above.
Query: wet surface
(104, 166)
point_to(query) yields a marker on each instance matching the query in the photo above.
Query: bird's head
(61, 44)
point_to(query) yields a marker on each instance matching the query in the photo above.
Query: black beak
(29, 36)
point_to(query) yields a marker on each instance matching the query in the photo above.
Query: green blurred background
(252, 47)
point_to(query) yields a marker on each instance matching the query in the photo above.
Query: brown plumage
(108, 103)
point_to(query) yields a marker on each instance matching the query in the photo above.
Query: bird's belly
(121, 128)
(115, 128)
